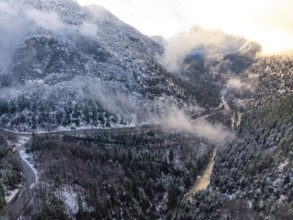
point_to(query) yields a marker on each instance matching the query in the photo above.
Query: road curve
(14, 209)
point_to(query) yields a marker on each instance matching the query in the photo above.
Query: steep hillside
(76, 66)
(260, 171)
(252, 176)
(214, 63)
(267, 80)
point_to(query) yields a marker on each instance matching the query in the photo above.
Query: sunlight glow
(269, 22)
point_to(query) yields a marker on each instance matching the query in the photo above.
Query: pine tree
(2, 197)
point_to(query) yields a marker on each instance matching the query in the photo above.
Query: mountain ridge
(51, 61)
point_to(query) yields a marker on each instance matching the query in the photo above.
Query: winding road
(14, 209)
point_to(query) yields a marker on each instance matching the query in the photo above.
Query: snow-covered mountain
(69, 65)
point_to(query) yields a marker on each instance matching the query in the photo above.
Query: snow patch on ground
(282, 165)
(20, 141)
(10, 195)
(282, 199)
(33, 185)
(69, 198)
(250, 204)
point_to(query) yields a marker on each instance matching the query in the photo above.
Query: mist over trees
(154, 117)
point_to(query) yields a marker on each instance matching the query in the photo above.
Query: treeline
(28, 114)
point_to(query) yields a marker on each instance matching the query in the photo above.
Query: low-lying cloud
(115, 102)
(15, 23)
(88, 30)
(237, 84)
(11, 28)
(208, 43)
(213, 133)
(47, 20)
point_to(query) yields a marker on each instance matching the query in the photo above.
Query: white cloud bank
(213, 133)
(237, 84)
(214, 42)
(15, 23)
(47, 20)
(88, 30)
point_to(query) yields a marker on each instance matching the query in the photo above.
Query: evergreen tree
(2, 197)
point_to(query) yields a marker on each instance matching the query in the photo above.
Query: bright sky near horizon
(269, 22)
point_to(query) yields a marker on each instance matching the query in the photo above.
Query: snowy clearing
(69, 197)
(20, 141)
(283, 165)
(10, 195)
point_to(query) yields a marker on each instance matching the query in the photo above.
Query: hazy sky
(270, 22)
